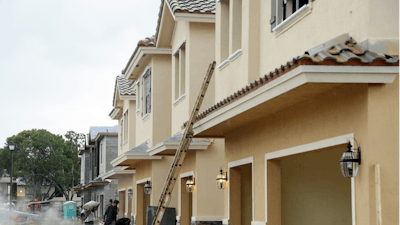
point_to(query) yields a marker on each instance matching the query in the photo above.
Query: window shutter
(273, 20)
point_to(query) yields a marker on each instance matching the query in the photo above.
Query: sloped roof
(186, 6)
(342, 54)
(146, 42)
(125, 86)
(192, 6)
(139, 149)
(93, 131)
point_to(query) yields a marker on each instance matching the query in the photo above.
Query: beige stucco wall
(144, 127)
(375, 22)
(314, 190)
(160, 98)
(157, 126)
(368, 111)
(199, 49)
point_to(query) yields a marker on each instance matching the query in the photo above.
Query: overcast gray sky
(59, 60)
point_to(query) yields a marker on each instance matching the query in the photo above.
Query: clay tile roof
(192, 6)
(148, 41)
(125, 86)
(186, 6)
(343, 54)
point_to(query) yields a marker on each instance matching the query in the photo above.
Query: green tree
(44, 159)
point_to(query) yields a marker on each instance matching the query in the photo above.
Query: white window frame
(181, 85)
(138, 97)
(292, 19)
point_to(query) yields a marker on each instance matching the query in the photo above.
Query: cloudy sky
(59, 60)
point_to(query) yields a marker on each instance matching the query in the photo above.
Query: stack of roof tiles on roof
(193, 6)
(347, 54)
(125, 86)
(148, 41)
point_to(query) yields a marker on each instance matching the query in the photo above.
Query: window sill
(137, 111)
(232, 57)
(292, 19)
(145, 117)
(179, 100)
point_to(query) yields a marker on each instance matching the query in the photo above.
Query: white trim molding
(132, 156)
(235, 55)
(293, 19)
(258, 223)
(121, 189)
(179, 47)
(339, 140)
(143, 51)
(223, 64)
(143, 180)
(179, 99)
(163, 146)
(296, 78)
(249, 160)
(232, 57)
(187, 174)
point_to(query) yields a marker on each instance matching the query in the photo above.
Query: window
(146, 93)
(180, 67)
(281, 10)
(125, 125)
(231, 27)
(122, 132)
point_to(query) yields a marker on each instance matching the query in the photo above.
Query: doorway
(186, 203)
(121, 198)
(143, 200)
(313, 189)
(241, 194)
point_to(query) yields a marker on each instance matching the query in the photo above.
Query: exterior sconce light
(130, 193)
(147, 188)
(221, 179)
(190, 184)
(350, 161)
(116, 195)
(11, 146)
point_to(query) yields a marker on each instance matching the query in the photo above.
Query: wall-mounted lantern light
(350, 161)
(221, 179)
(130, 193)
(116, 195)
(190, 184)
(147, 188)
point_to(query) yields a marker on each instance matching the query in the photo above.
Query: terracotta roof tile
(347, 54)
(147, 42)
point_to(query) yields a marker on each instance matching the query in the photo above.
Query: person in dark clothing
(108, 205)
(111, 214)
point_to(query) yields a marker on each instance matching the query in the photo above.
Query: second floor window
(146, 93)
(283, 9)
(126, 125)
(231, 27)
(101, 153)
(180, 67)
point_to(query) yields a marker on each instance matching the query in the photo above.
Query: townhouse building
(153, 97)
(95, 159)
(301, 89)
